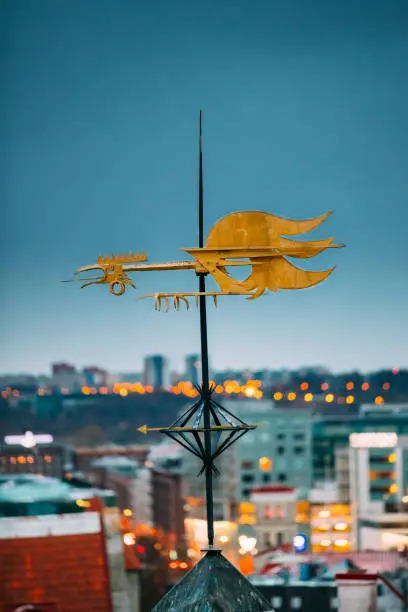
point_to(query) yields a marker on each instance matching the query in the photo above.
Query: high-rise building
(193, 369)
(94, 376)
(65, 376)
(156, 372)
(378, 477)
(280, 452)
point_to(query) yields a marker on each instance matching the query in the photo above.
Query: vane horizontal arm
(145, 429)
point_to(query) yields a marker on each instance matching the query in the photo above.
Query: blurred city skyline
(304, 112)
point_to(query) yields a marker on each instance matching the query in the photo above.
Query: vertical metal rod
(204, 357)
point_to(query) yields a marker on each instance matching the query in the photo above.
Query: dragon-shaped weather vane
(256, 236)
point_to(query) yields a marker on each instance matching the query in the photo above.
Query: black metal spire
(204, 355)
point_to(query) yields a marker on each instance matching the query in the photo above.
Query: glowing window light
(83, 503)
(329, 398)
(308, 397)
(127, 512)
(393, 489)
(123, 392)
(341, 542)
(350, 386)
(304, 386)
(392, 458)
(349, 399)
(365, 386)
(325, 543)
(386, 386)
(265, 464)
(277, 396)
(325, 386)
(291, 396)
(129, 539)
(379, 400)
(341, 526)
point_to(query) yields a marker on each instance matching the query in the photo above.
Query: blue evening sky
(305, 110)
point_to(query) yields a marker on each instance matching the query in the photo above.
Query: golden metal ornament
(249, 238)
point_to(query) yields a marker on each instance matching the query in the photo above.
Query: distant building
(175, 459)
(330, 519)
(47, 459)
(154, 495)
(280, 452)
(275, 515)
(77, 564)
(193, 369)
(65, 376)
(331, 433)
(378, 476)
(156, 372)
(94, 377)
(342, 474)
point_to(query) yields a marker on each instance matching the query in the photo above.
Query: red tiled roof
(273, 489)
(69, 571)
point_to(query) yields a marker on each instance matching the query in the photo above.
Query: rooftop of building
(30, 488)
(274, 488)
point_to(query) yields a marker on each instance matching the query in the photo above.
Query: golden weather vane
(254, 238)
(249, 238)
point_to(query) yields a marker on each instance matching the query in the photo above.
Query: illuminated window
(304, 386)
(48, 458)
(392, 458)
(265, 464)
(280, 512)
(349, 399)
(350, 386)
(329, 398)
(277, 396)
(308, 397)
(386, 386)
(269, 513)
(291, 396)
(365, 386)
(379, 400)
(393, 488)
(325, 386)
(246, 508)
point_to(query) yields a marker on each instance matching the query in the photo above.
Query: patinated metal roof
(213, 585)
